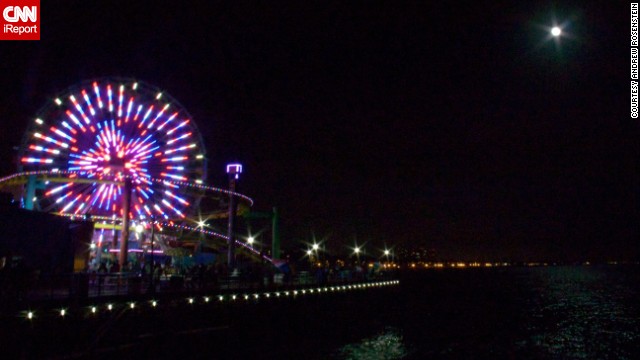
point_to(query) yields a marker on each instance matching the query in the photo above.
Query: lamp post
(310, 256)
(153, 267)
(234, 171)
(356, 251)
(275, 234)
(255, 244)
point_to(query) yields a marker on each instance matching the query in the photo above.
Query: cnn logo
(20, 20)
(15, 13)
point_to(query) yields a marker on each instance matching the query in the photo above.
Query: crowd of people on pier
(18, 282)
(169, 274)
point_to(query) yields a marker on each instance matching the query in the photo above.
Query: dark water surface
(578, 312)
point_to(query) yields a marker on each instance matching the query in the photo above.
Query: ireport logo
(20, 20)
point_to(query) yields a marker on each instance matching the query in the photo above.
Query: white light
(158, 96)
(556, 31)
(315, 247)
(94, 309)
(250, 240)
(30, 315)
(39, 121)
(190, 300)
(154, 303)
(386, 252)
(63, 312)
(206, 299)
(58, 101)
(132, 305)
(139, 228)
(110, 307)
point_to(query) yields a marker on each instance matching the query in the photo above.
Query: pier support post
(124, 242)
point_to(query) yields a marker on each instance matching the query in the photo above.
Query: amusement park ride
(127, 157)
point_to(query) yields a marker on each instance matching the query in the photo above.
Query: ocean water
(568, 312)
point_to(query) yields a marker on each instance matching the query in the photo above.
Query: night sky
(459, 126)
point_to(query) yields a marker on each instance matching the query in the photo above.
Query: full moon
(556, 31)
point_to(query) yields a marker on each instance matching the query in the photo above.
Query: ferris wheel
(111, 138)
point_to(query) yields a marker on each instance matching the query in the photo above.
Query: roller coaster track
(21, 178)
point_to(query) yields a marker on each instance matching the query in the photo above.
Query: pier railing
(21, 289)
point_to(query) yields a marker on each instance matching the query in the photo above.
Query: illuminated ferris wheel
(112, 138)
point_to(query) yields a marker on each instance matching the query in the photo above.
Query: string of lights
(246, 298)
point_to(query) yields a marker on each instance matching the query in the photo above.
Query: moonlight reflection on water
(583, 313)
(387, 345)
